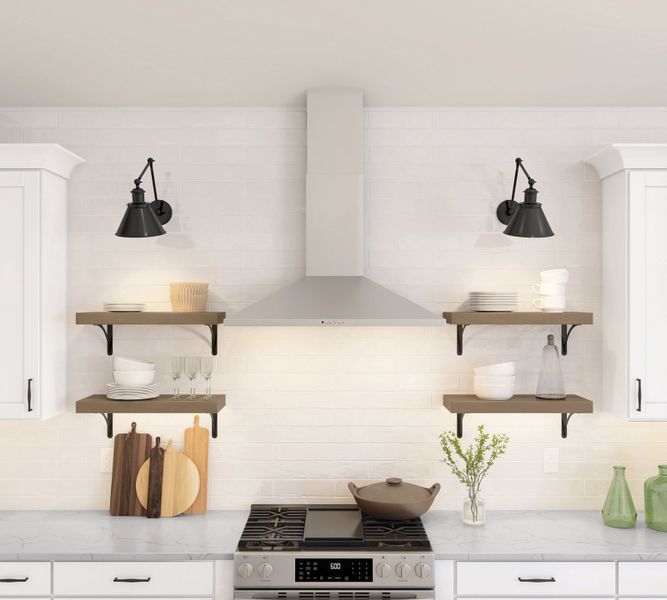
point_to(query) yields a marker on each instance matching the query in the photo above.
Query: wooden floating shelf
(99, 403)
(567, 321)
(106, 320)
(463, 404)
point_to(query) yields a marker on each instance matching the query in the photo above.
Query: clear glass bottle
(655, 500)
(473, 511)
(619, 509)
(550, 383)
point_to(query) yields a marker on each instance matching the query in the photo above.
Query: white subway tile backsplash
(309, 409)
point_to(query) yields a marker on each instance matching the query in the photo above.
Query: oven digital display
(334, 569)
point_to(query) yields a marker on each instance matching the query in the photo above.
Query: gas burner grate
(274, 526)
(408, 532)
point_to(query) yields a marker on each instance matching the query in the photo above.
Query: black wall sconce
(142, 219)
(524, 219)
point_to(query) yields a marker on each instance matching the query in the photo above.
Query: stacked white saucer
(494, 382)
(551, 290)
(493, 301)
(133, 380)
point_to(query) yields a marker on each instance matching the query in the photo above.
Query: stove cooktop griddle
(303, 527)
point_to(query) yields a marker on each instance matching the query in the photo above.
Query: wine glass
(176, 366)
(191, 370)
(206, 368)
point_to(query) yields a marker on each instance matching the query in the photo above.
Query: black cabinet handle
(13, 580)
(639, 395)
(537, 580)
(130, 580)
(30, 395)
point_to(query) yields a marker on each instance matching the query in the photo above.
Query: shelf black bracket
(108, 417)
(564, 422)
(564, 337)
(459, 339)
(214, 339)
(108, 334)
(459, 424)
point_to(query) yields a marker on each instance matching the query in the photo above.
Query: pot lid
(394, 490)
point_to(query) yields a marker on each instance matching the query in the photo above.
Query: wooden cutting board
(156, 465)
(130, 450)
(196, 448)
(180, 483)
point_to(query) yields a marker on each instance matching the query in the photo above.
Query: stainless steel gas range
(323, 552)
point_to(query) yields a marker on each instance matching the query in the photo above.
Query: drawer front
(527, 579)
(126, 579)
(25, 579)
(642, 578)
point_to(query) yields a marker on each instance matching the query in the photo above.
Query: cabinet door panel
(648, 294)
(642, 579)
(19, 301)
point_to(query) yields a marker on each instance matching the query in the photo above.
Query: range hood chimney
(334, 291)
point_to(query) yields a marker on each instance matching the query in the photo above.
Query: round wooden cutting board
(180, 483)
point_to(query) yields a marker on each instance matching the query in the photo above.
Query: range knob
(422, 570)
(264, 570)
(402, 570)
(383, 569)
(244, 570)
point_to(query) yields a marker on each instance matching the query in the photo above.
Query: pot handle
(434, 489)
(353, 488)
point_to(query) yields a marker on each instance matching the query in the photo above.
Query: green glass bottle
(655, 500)
(619, 509)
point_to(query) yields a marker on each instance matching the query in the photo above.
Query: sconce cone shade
(529, 220)
(139, 219)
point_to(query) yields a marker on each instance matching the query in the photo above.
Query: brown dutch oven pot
(394, 499)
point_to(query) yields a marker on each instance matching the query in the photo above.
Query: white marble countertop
(507, 535)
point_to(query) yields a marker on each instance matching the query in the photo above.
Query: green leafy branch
(471, 465)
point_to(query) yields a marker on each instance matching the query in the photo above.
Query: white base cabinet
(33, 271)
(634, 322)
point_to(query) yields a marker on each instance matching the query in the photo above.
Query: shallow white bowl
(493, 392)
(122, 363)
(133, 377)
(505, 368)
(494, 380)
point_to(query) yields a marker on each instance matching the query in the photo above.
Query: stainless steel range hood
(334, 291)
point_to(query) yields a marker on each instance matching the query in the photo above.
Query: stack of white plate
(133, 380)
(132, 392)
(493, 301)
(124, 306)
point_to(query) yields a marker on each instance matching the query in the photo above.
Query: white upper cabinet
(634, 319)
(33, 275)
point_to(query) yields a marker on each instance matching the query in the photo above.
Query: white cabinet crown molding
(49, 157)
(619, 157)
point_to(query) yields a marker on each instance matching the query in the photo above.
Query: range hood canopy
(334, 291)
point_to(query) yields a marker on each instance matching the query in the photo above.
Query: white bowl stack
(493, 301)
(133, 380)
(494, 382)
(551, 290)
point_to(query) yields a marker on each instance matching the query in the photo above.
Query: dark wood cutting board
(130, 451)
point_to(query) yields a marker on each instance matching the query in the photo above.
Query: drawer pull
(13, 580)
(130, 580)
(537, 579)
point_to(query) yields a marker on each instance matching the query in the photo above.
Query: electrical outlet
(106, 460)
(551, 460)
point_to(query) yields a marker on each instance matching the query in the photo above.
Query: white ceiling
(267, 52)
